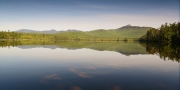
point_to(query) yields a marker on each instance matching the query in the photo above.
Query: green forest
(167, 32)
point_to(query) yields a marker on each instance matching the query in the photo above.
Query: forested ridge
(125, 33)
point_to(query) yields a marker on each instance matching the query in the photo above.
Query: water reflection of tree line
(166, 50)
(126, 48)
(163, 49)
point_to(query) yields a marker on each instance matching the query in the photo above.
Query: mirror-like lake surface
(51, 67)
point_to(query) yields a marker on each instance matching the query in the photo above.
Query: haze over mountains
(53, 31)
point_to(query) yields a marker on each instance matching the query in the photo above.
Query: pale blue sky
(85, 15)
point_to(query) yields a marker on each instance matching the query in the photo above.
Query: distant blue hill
(44, 31)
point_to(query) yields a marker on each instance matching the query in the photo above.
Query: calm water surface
(51, 68)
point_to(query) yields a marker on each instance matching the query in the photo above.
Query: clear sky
(85, 15)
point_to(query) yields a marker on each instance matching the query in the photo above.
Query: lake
(85, 66)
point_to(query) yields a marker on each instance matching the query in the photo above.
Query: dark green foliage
(167, 32)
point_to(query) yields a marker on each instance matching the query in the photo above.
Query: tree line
(9, 35)
(167, 32)
(68, 36)
(14, 36)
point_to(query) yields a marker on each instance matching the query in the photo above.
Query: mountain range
(44, 31)
(73, 30)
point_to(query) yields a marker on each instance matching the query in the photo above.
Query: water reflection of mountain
(126, 48)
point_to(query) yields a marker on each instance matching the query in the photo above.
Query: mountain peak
(128, 25)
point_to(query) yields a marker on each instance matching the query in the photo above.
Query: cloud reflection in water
(50, 77)
(80, 73)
